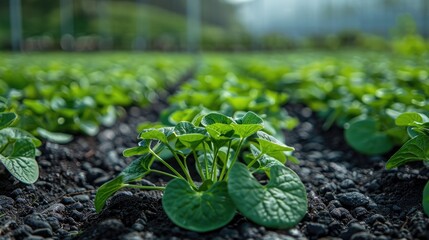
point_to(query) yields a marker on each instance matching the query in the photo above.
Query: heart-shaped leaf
(161, 134)
(270, 145)
(415, 149)
(54, 136)
(199, 211)
(220, 131)
(265, 161)
(213, 118)
(190, 135)
(282, 203)
(6, 119)
(136, 170)
(17, 133)
(248, 124)
(364, 136)
(106, 191)
(21, 163)
(410, 119)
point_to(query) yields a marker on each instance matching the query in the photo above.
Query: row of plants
(363, 94)
(225, 123)
(59, 94)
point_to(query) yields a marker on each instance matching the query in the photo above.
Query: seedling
(415, 149)
(225, 183)
(17, 148)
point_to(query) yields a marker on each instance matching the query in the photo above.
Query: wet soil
(351, 196)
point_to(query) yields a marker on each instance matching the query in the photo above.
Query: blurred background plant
(88, 25)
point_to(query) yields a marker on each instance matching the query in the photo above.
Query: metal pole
(142, 40)
(193, 25)
(67, 32)
(16, 24)
(104, 25)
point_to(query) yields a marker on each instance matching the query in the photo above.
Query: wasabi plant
(17, 147)
(415, 149)
(214, 145)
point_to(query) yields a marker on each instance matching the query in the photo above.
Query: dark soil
(351, 196)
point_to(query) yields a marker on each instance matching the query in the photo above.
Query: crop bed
(350, 195)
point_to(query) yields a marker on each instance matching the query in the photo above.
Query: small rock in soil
(351, 230)
(36, 222)
(22, 231)
(353, 199)
(81, 198)
(317, 229)
(375, 218)
(347, 183)
(44, 232)
(362, 236)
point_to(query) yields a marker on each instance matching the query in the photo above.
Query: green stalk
(200, 169)
(206, 162)
(225, 165)
(183, 167)
(163, 173)
(144, 187)
(254, 160)
(240, 144)
(166, 164)
(214, 166)
(7, 144)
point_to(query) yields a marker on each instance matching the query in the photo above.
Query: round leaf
(282, 203)
(410, 119)
(364, 137)
(7, 119)
(213, 118)
(199, 211)
(21, 163)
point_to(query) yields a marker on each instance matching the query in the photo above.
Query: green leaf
(265, 161)
(21, 163)
(270, 145)
(137, 168)
(282, 203)
(410, 119)
(190, 135)
(364, 136)
(17, 133)
(248, 124)
(133, 172)
(141, 149)
(202, 160)
(415, 149)
(161, 134)
(426, 199)
(89, 128)
(106, 191)
(213, 118)
(54, 136)
(6, 119)
(220, 131)
(199, 211)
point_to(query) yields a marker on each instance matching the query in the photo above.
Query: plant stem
(214, 165)
(144, 187)
(184, 168)
(206, 162)
(200, 169)
(9, 141)
(225, 165)
(240, 144)
(163, 173)
(166, 164)
(254, 160)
